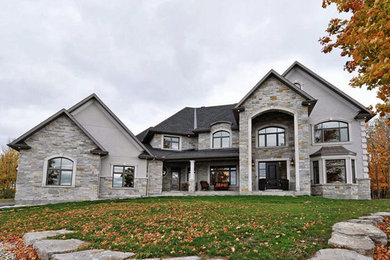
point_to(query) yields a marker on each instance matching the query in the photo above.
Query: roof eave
(280, 78)
(326, 83)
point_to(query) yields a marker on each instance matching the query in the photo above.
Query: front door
(272, 175)
(175, 180)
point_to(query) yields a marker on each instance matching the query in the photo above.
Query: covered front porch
(201, 176)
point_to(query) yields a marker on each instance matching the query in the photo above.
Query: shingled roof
(161, 154)
(190, 120)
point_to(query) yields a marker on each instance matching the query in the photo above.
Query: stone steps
(360, 236)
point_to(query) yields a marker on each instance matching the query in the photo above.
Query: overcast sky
(148, 59)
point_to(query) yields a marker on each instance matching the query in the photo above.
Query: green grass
(6, 200)
(241, 227)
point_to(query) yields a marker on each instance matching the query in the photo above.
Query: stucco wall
(59, 138)
(331, 106)
(123, 150)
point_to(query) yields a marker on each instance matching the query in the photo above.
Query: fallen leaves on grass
(383, 252)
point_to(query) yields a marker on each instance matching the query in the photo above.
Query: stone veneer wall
(274, 95)
(60, 137)
(155, 185)
(204, 139)
(263, 153)
(186, 142)
(334, 191)
(107, 191)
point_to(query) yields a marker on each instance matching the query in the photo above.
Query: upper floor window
(59, 171)
(331, 131)
(221, 139)
(171, 142)
(272, 136)
(123, 176)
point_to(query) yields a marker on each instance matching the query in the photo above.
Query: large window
(331, 131)
(123, 176)
(59, 171)
(221, 139)
(272, 136)
(223, 174)
(335, 171)
(171, 142)
(316, 173)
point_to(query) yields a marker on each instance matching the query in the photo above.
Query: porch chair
(204, 185)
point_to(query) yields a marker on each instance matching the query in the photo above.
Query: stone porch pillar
(191, 181)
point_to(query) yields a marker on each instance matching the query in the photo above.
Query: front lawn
(236, 226)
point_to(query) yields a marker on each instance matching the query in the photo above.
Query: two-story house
(292, 134)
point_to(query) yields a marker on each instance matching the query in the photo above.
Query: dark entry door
(273, 175)
(175, 180)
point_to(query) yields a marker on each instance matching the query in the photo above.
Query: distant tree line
(8, 169)
(378, 147)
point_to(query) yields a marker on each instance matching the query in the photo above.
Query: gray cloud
(148, 59)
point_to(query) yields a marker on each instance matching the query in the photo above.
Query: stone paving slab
(95, 254)
(31, 237)
(361, 244)
(46, 248)
(356, 229)
(339, 254)
(383, 214)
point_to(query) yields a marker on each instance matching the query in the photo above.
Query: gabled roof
(124, 127)
(19, 143)
(363, 109)
(190, 121)
(273, 73)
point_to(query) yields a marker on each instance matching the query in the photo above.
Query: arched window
(221, 139)
(272, 136)
(59, 171)
(331, 131)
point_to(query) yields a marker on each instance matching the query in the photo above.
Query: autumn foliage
(378, 147)
(365, 39)
(8, 165)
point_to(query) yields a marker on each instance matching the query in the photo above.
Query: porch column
(191, 181)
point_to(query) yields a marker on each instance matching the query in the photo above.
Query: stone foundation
(107, 191)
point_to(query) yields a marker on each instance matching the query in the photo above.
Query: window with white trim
(123, 176)
(336, 171)
(221, 139)
(316, 172)
(59, 171)
(331, 131)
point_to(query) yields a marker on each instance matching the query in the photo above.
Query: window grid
(272, 136)
(59, 171)
(221, 139)
(331, 131)
(123, 176)
(223, 174)
(171, 142)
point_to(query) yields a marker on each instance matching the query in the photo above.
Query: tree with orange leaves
(378, 147)
(8, 168)
(365, 39)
